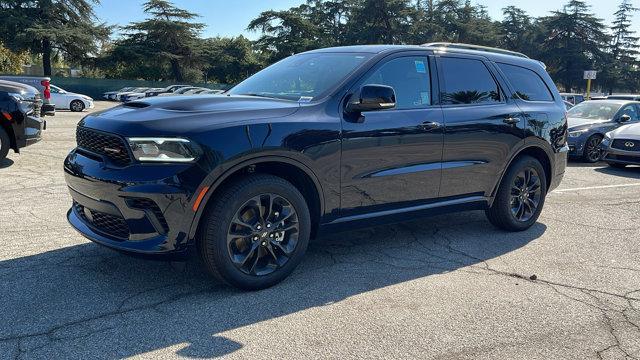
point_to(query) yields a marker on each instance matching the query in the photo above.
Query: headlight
(575, 134)
(23, 104)
(162, 149)
(606, 141)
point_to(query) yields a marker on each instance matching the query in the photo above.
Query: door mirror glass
(625, 118)
(372, 98)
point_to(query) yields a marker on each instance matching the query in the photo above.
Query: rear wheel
(255, 233)
(76, 106)
(520, 197)
(617, 166)
(592, 152)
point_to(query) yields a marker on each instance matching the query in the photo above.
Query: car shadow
(5, 163)
(89, 300)
(632, 172)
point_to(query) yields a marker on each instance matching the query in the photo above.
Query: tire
(5, 144)
(617, 166)
(76, 106)
(592, 152)
(226, 247)
(504, 212)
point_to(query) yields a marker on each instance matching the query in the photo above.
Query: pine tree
(52, 27)
(624, 50)
(576, 41)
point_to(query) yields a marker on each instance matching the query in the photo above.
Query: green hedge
(96, 87)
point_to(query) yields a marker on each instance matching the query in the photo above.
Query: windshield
(594, 110)
(301, 77)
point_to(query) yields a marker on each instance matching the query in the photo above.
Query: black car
(589, 121)
(20, 121)
(320, 141)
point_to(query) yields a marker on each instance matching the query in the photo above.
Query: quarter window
(528, 85)
(468, 81)
(409, 77)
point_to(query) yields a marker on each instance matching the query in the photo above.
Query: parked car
(111, 95)
(40, 83)
(374, 135)
(70, 101)
(590, 120)
(195, 91)
(212, 92)
(575, 99)
(21, 123)
(621, 147)
(631, 97)
(180, 91)
(118, 96)
(130, 96)
(167, 90)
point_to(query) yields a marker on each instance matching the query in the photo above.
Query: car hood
(579, 122)
(631, 132)
(170, 116)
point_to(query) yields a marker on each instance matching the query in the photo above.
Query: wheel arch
(294, 171)
(535, 151)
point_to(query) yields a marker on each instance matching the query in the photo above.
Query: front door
(392, 158)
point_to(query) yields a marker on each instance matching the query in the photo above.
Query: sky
(231, 17)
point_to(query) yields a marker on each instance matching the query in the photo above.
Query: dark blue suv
(320, 141)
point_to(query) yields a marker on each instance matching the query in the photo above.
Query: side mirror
(372, 98)
(625, 118)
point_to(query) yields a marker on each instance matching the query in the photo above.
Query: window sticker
(425, 98)
(421, 67)
(305, 99)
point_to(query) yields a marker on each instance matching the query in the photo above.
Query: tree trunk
(46, 57)
(177, 72)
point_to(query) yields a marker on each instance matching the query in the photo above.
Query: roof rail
(475, 47)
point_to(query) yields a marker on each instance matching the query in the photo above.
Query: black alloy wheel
(255, 232)
(5, 144)
(263, 234)
(592, 151)
(520, 196)
(525, 194)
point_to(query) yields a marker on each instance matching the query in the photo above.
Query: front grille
(622, 144)
(110, 146)
(148, 204)
(108, 224)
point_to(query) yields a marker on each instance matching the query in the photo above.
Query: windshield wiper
(259, 95)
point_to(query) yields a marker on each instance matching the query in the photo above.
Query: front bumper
(612, 155)
(576, 146)
(140, 208)
(31, 131)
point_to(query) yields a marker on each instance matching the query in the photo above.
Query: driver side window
(409, 77)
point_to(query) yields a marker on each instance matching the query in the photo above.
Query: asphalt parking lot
(445, 287)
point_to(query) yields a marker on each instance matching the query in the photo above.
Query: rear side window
(409, 78)
(529, 86)
(467, 81)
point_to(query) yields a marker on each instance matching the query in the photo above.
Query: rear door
(482, 126)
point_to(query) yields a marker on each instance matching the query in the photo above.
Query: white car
(70, 101)
(621, 146)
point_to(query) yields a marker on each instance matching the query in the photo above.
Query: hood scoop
(136, 105)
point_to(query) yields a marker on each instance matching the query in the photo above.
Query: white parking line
(596, 187)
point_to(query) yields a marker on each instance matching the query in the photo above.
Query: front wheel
(255, 233)
(592, 152)
(520, 196)
(76, 106)
(5, 144)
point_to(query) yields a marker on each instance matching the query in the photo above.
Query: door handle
(430, 125)
(511, 120)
